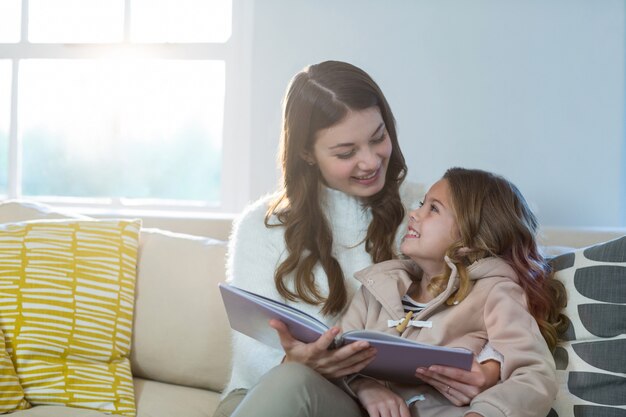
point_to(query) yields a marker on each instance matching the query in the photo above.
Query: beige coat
(495, 310)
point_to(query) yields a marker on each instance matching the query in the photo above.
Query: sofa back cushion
(12, 211)
(181, 333)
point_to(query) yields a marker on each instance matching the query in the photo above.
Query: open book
(396, 358)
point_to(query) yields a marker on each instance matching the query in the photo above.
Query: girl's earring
(311, 163)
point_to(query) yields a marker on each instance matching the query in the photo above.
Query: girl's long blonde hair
(495, 220)
(319, 97)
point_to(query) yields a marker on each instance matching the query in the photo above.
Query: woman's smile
(368, 179)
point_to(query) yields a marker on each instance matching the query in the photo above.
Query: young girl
(474, 274)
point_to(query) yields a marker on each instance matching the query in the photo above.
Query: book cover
(396, 358)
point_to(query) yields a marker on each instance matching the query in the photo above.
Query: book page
(373, 335)
(250, 313)
(397, 358)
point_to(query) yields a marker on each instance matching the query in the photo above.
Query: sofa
(180, 355)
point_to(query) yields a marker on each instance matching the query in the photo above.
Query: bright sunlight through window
(10, 20)
(66, 21)
(121, 129)
(114, 102)
(5, 106)
(180, 21)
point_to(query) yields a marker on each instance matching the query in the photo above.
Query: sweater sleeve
(253, 254)
(528, 371)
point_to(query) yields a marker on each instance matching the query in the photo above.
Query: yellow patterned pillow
(11, 393)
(67, 310)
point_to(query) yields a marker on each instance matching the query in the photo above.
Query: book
(396, 358)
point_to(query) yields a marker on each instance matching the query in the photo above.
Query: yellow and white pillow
(11, 393)
(67, 310)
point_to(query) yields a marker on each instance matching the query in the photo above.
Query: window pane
(180, 20)
(76, 21)
(141, 129)
(10, 12)
(5, 118)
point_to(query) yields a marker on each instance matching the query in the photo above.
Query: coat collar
(388, 281)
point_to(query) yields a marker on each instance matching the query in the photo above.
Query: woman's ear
(308, 158)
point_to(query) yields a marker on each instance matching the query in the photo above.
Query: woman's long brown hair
(319, 97)
(495, 220)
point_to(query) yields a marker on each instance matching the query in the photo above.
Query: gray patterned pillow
(591, 362)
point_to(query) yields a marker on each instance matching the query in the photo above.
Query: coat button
(370, 281)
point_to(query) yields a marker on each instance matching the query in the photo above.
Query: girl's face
(353, 154)
(432, 228)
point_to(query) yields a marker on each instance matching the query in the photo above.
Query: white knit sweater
(256, 251)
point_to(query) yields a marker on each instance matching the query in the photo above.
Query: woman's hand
(378, 400)
(335, 363)
(460, 386)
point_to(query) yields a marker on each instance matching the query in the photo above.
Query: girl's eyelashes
(433, 207)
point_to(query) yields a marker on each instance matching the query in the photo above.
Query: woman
(338, 211)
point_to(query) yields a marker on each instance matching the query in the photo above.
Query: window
(5, 105)
(122, 103)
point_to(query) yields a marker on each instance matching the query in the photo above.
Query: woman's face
(353, 154)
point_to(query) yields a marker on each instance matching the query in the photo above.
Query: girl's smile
(412, 234)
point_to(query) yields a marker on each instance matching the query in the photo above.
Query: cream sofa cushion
(159, 399)
(153, 399)
(177, 290)
(57, 411)
(17, 211)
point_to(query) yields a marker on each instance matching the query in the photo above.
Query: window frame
(236, 54)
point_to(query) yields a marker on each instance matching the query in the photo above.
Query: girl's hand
(335, 363)
(378, 400)
(460, 386)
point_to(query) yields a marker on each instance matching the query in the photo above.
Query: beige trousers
(290, 390)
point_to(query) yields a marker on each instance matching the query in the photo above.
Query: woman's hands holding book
(331, 363)
(460, 386)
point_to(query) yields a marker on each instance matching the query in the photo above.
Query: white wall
(534, 89)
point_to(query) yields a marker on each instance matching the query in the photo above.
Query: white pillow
(67, 308)
(591, 360)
